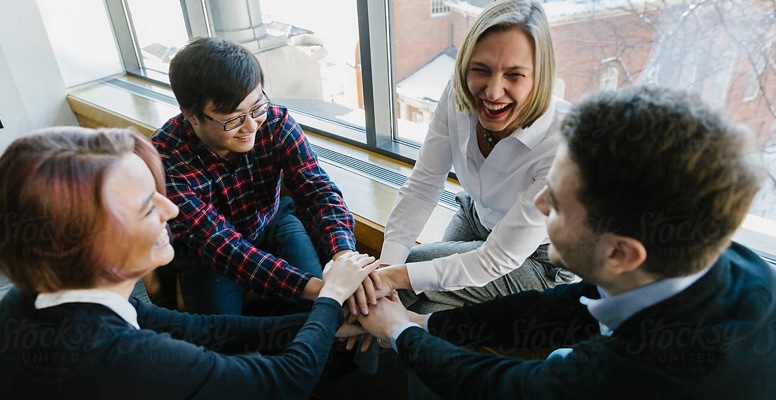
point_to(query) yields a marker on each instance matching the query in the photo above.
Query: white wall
(32, 91)
(81, 36)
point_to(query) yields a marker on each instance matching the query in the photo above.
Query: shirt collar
(535, 133)
(612, 311)
(109, 299)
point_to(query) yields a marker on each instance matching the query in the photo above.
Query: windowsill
(759, 234)
(370, 200)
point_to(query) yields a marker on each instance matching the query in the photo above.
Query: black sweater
(86, 351)
(714, 340)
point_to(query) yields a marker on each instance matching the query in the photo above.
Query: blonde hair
(529, 17)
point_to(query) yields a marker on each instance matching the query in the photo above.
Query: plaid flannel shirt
(225, 207)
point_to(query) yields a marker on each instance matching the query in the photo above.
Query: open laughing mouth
(163, 239)
(496, 110)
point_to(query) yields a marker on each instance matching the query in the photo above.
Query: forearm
(226, 334)
(418, 197)
(527, 320)
(336, 234)
(499, 255)
(332, 227)
(318, 200)
(260, 376)
(265, 274)
(456, 373)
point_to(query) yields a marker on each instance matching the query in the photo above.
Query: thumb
(370, 268)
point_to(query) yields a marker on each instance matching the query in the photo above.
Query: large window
(160, 31)
(719, 49)
(370, 72)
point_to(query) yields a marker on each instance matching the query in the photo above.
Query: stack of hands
(371, 303)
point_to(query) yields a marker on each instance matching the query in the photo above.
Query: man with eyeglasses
(225, 155)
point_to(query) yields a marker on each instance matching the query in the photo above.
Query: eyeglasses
(233, 123)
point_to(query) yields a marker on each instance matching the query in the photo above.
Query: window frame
(375, 41)
(375, 45)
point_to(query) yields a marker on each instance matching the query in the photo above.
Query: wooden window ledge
(103, 104)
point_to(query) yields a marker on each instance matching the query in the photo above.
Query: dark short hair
(662, 167)
(213, 70)
(53, 217)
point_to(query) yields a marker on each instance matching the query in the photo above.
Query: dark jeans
(205, 291)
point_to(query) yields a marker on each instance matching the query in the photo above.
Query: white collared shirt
(109, 299)
(503, 187)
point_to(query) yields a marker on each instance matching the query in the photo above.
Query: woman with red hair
(83, 216)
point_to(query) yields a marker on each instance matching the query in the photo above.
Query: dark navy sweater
(86, 351)
(714, 340)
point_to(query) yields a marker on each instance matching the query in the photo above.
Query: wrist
(395, 276)
(419, 319)
(312, 289)
(339, 253)
(330, 291)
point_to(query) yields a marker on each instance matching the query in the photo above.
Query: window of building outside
(160, 31)
(715, 48)
(355, 69)
(717, 92)
(309, 51)
(311, 64)
(439, 7)
(609, 79)
(689, 72)
(753, 84)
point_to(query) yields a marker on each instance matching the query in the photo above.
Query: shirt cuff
(394, 253)
(422, 276)
(343, 242)
(425, 322)
(398, 331)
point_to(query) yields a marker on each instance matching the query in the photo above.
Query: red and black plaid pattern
(224, 207)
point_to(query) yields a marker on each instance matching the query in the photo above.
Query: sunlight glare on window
(308, 50)
(160, 30)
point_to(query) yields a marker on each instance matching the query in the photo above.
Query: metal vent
(142, 91)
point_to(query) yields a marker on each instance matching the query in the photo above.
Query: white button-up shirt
(503, 187)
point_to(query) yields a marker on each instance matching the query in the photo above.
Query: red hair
(53, 218)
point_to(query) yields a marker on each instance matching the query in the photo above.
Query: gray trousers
(466, 233)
